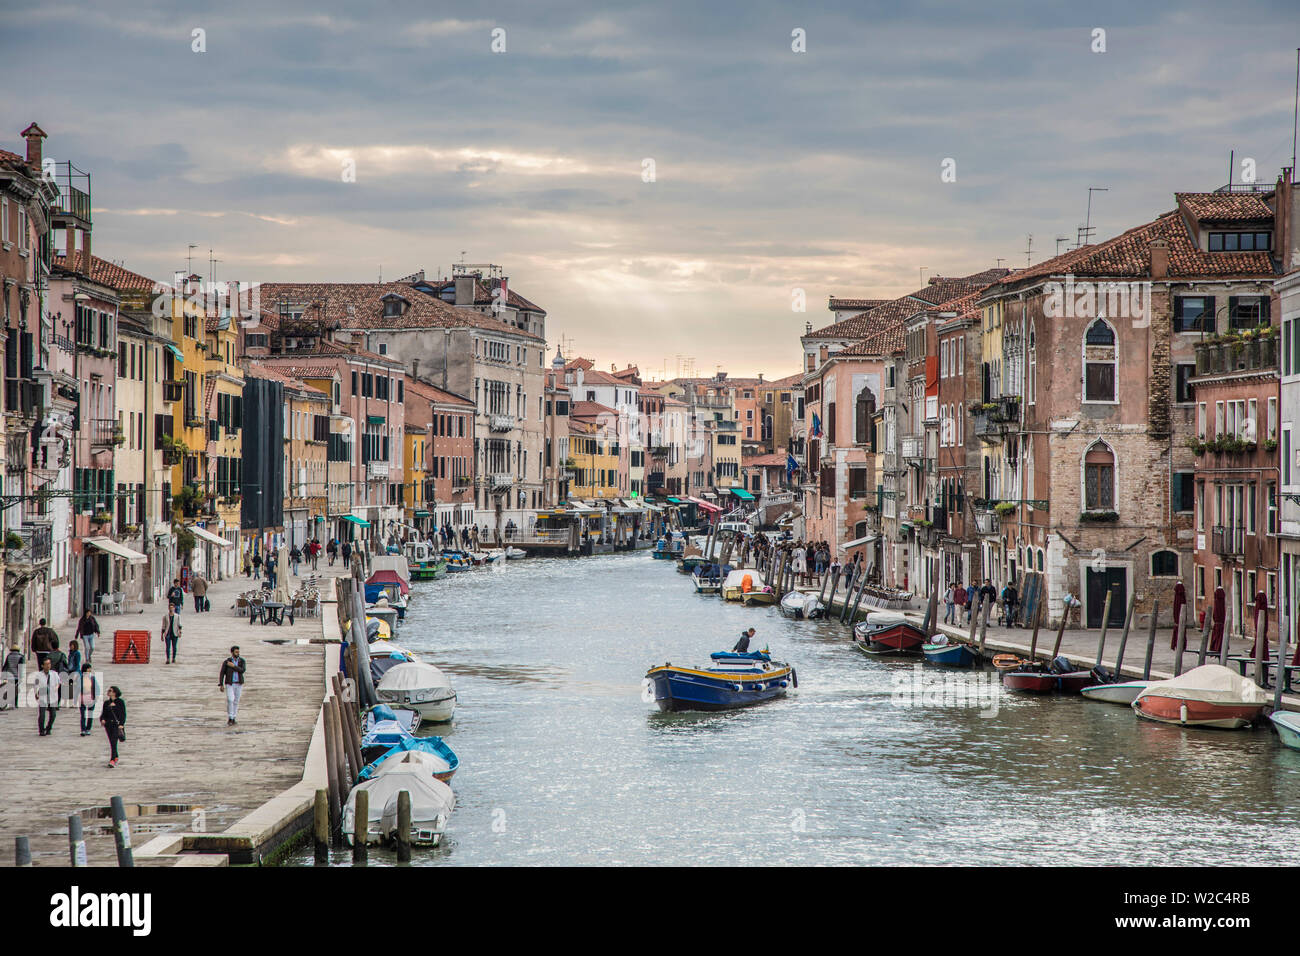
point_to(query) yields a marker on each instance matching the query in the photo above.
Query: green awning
(374, 419)
(742, 494)
(180, 356)
(357, 521)
(675, 501)
(423, 514)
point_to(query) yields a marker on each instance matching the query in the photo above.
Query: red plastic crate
(131, 647)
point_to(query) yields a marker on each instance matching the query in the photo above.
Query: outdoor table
(273, 611)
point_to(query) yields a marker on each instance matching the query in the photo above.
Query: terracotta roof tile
(887, 341)
(110, 274)
(1226, 207)
(860, 304)
(435, 394)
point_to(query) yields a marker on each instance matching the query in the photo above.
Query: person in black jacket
(113, 719)
(231, 680)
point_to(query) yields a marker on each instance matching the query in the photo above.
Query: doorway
(1114, 580)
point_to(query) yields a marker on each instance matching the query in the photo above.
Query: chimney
(464, 290)
(33, 134)
(415, 368)
(1159, 258)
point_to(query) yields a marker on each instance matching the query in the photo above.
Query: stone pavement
(180, 758)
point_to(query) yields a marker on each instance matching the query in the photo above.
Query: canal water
(563, 761)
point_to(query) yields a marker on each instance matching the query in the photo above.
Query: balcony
(501, 423)
(1228, 542)
(913, 449)
(104, 432)
(35, 547)
(988, 522)
(500, 481)
(1233, 354)
(376, 470)
(23, 397)
(173, 390)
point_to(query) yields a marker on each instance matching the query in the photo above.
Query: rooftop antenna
(998, 261)
(189, 260)
(1059, 240)
(1085, 233)
(1295, 116)
(1029, 250)
(1232, 155)
(212, 268)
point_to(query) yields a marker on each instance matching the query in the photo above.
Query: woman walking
(71, 665)
(171, 633)
(87, 631)
(87, 697)
(113, 719)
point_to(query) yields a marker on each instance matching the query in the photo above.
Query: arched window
(1099, 478)
(1040, 559)
(1031, 377)
(1164, 564)
(860, 530)
(1099, 362)
(866, 408)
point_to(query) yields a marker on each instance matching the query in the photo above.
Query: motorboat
(421, 687)
(484, 558)
(381, 610)
(1207, 696)
(514, 554)
(663, 550)
(739, 583)
(432, 802)
(384, 656)
(387, 584)
(382, 745)
(458, 562)
(423, 563)
(888, 632)
(1124, 693)
(730, 680)
(1057, 677)
(406, 719)
(802, 605)
(1287, 723)
(707, 579)
(949, 653)
(761, 595)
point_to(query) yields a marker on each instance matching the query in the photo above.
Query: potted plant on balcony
(13, 541)
(1096, 516)
(1267, 346)
(119, 436)
(102, 517)
(1005, 508)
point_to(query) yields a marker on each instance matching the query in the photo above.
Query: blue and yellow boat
(729, 681)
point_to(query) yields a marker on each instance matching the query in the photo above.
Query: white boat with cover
(1207, 696)
(431, 803)
(420, 686)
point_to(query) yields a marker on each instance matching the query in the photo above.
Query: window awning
(742, 494)
(211, 538)
(858, 542)
(374, 419)
(675, 501)
(423, 514)
(362, 522)
(705, 505)
(109, 546)
(180, 356)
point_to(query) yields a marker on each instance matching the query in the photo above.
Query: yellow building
(223, 392)
(991, 478)
(593, 449)
(415, 492)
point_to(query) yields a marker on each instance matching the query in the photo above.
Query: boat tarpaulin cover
(1212, 683)
(117, 550)
(414, 677)
(389, 577)
(211, 538)
(430, 797)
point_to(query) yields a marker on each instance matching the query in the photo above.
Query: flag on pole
(791, 466)
(817, 426)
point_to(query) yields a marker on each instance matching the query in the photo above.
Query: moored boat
(421, 687)
(729, 681)
(423, 564)
(1030, 681)
(431, 804)
(1207, 696)
(432, 752)
(458, 562)
(405, 718)
(1287, 723)
(739, 583)
(708, 579)
(514, 554)
(1007, 662)
(760, 596)
(888, 632)
(801, 605)
(1124, 693)
(949, 655)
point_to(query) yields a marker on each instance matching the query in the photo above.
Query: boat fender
(785, 683)
(794, 677)
(1182, 714)
(736, 687)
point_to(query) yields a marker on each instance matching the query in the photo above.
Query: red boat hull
(1170, 710)
(898, 639)
(1031, 682)
(1075, 681)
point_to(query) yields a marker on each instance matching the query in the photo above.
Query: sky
(675, 183)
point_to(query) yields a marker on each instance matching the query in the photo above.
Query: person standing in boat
(742, 645)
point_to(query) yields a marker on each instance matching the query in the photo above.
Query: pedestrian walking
(58, 660)
(72, 662)
(257, 564)
(950, 602)
(295, 556)
(49, 692)
(959, 600)
(199, 588)
(171, 633)
(970, 600)
(248, 565)
(44, 640)
(347, 553)
(176, 595)
(113, 719)
(87, 631)
(1010, 600)
(332, 549)
(12, 673)
(87, 695)
(314, 550)
(801, 563)
(231, 680)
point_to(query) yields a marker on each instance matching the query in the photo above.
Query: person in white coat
(49, 691)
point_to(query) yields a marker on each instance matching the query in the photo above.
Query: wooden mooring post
(321, 827)
(332, 769)
(361, 828)
(1205, 634)
(1123, 636)
(1151, 639)
(1105, 625)
(1184, 613)
(1279, 680)
(22, 851)
(121, 832)
(76, 841)
(1261, 648)
(404, 826)
(1060, 632)
(1033, 641)
(862, 589)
